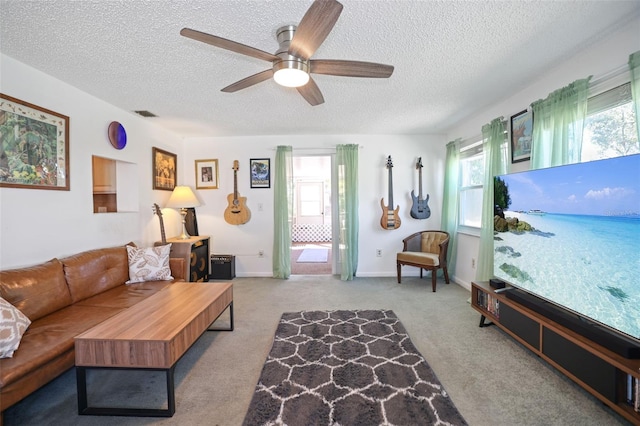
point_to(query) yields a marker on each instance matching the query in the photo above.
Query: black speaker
(496, 283)
(223, 266)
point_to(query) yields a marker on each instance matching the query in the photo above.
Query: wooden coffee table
(151, 335)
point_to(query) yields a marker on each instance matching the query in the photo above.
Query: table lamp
(182, 198)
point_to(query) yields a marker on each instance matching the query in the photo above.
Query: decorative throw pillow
(13, 324)
(149, 264)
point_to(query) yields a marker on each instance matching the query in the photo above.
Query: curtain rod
(616, 72)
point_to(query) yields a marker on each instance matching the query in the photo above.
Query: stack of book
(633, 392)
(489, 302)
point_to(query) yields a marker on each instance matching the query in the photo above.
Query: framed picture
(35, 146)
(260, 169)
(521, 132)
(164, 169)
(207, 174)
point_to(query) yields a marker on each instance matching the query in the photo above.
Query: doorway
(311, 233)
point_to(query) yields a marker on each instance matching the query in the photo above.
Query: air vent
(145, 113)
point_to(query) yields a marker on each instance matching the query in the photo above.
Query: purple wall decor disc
(117, 135)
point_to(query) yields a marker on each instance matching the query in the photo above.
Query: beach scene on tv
(571, 235)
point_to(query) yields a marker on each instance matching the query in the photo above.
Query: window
(471, 179)
(609, 131)
(610, 126)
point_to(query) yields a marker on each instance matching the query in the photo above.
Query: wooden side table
(196, 252)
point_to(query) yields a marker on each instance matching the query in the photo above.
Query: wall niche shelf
(114, 186)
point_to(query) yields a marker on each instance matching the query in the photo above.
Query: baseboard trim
(464, 284)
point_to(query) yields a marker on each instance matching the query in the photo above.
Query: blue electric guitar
(419, 209)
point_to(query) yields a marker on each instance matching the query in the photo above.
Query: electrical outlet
(261, 253)
(378, 252)
(473, 263)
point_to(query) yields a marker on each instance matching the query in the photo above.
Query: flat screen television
(576, 240)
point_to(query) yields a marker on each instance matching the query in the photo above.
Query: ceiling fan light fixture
(291, 64)
(291, 73)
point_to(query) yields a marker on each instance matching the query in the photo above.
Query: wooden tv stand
(597, 369)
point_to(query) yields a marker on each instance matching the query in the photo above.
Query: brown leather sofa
(64, 298)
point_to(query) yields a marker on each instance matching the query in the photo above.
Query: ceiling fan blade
(314, 27)
(249, 81)
(350, 68)
(311, 92)
(223, 43)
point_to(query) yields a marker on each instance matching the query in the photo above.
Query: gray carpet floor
(491, 379)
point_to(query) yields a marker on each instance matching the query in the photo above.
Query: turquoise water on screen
(589, 264)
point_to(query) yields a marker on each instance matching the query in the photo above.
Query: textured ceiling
(451, 58)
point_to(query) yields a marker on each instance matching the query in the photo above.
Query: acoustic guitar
(237, 212)
(156, 210)
(390, 218)
(419, 209)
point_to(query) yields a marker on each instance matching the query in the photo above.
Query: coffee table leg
(81, 381)
(171, 395)
(84, 409)
(230, 319)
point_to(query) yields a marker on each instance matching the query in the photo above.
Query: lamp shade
(182, 197)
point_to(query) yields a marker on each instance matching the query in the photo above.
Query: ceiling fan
(292, 63)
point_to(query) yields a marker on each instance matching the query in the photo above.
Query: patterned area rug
(347, 368)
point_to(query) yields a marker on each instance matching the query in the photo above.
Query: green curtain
(451, 201)
(347, 162)
(282, 212)
(494, 142)
(634, 66)
(558, 123)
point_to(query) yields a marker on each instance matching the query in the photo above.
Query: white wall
(598, 59)
(244, 241)
(37, 225)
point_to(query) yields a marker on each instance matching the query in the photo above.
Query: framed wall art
(207, 174)
(521, 133)
(35, 146)
(260, 169)
(164, 169)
